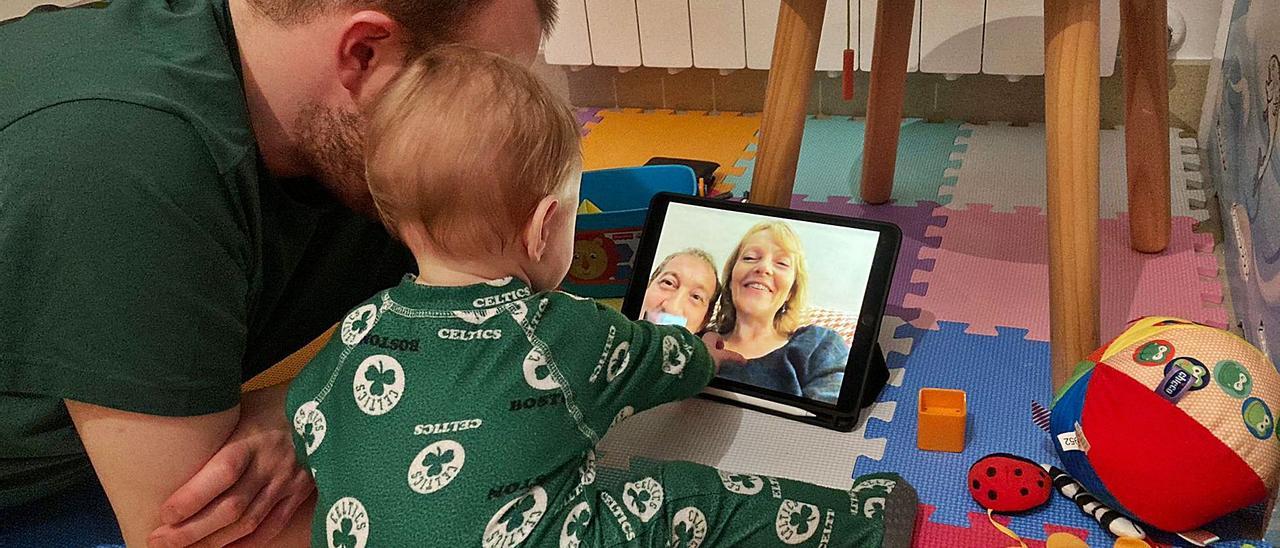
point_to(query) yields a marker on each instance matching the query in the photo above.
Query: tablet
(799, 294)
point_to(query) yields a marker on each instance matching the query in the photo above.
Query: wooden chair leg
(1071, 89)
(885, 97)
(791, 72)
(1146, 114)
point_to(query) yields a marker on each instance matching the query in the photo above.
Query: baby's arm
(616, 365)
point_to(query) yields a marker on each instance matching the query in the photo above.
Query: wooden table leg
(1146, 114)
(1071, 129)
(791, 72)
(885, 97)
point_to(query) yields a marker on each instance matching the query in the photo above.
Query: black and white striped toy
(1110, 520)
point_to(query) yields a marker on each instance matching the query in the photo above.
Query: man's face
(685, 288)
(332, 136)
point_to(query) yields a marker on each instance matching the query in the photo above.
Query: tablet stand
(876, 376)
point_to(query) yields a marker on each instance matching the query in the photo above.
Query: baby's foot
(889, 499)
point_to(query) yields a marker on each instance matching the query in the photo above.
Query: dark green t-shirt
(147, 260)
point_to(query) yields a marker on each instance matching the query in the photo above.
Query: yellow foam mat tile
(629, 137)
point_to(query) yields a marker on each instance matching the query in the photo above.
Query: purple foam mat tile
(586, 117)
(914, 221)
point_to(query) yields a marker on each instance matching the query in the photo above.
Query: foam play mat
(968, 310)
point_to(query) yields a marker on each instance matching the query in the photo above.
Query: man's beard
(332, 142)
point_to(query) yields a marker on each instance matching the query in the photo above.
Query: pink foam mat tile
(980, 532)
(990, 271)
(1181, 281)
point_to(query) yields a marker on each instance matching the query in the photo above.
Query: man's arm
(142, 459)
(137, 259)
(248, 490)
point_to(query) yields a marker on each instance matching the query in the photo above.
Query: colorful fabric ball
(1008, 483)
(1172, 423)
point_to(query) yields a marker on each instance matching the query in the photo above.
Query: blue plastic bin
(606, 242)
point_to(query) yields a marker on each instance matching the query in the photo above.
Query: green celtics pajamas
(467, 416)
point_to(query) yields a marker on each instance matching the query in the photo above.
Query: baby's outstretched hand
(715, 345)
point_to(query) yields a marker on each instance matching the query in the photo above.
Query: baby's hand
(715, 345)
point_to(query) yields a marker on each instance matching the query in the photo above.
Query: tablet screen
(784, 293)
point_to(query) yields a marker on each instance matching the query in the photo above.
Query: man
(182, 203)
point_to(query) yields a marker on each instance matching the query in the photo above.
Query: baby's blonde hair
(791, 316)
(466, 143)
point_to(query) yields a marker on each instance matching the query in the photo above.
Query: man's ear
(538, 231)
(370, 51)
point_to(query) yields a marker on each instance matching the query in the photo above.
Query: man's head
(472, 158)
(500, 26)
(313, 66)
(684, 285)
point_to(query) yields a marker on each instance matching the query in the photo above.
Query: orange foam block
(941, 418)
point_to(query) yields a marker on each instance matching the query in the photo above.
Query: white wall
(838, 259)
(17, 8)
(1201, 17)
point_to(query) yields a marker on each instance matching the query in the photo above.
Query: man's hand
(248, 491)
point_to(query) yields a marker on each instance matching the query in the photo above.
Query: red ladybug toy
(1008, 483)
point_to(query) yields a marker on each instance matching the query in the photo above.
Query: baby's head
(473, 162)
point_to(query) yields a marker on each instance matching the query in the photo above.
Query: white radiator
(948, 36)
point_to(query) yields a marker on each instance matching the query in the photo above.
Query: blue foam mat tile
(1001, 375)
(830, 162)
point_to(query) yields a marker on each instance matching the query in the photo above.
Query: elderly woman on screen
(760, 314)
(682, 290)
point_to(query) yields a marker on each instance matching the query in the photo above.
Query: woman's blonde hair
(789, 317)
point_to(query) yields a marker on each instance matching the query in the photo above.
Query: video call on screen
(785, 294)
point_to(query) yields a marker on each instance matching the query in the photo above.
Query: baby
(461, 407)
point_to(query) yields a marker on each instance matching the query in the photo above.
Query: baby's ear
(538, 230)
